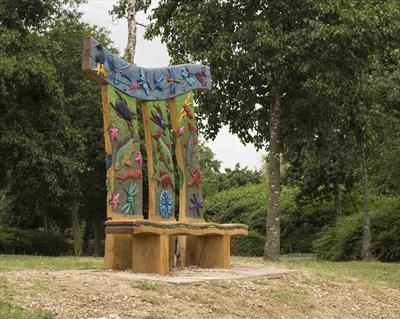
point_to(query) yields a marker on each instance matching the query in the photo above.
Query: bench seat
(144, 226)
(151, 246)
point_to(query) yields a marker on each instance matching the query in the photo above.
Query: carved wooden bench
(163, 100)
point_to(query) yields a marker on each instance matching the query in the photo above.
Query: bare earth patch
(245, 291)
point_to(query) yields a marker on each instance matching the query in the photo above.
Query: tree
(323, 165)
(36, 134)
(87, 201)
(210, 170)
(51, 119)
(385, 166)
(127, 9)
(237, 177)
(277, 62)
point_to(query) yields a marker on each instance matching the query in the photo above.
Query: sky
(226, 146)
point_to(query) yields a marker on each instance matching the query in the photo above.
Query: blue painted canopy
(145, 83)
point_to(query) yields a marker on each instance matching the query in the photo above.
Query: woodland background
(333, 65)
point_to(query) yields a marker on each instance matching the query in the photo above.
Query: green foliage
(247, 204)
(51, 122)
(301, 223)
(309, 50)
(33, 242)
(213, 180)
(28, 14)
(385, 164)
(5, 203)
(120, 7)
(251, 245)
(8, 310)
(319, 58)
(237, 205)
(343, 240)
(210, 168)
(335, 242)
(237, 177)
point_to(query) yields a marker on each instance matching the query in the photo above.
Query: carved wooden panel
(123, 158)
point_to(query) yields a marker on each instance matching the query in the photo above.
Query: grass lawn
(10, 311)
(19, 262)
(371, 272)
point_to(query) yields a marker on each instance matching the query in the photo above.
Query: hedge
(32, 242)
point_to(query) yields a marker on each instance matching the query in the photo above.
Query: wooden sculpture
(162, 100)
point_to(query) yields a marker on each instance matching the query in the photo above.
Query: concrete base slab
(193, 275)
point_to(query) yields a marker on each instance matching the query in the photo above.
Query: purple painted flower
(197, 205)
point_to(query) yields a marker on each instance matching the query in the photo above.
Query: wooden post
(208, 251)
(159, 160)
(151, 253)
(107, 144)
(117, 252)
(185, 127)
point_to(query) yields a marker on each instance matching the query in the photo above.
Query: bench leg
(117, 252)
(152, 253)
(208, 251)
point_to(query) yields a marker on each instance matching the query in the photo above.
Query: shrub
(32, 242)
(236, 205)
(251, 245)
(385, 228)
(248, 205)
(343, 241)
(301, 224)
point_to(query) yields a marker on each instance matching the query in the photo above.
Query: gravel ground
(272, 294)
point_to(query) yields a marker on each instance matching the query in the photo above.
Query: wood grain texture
(151, 254)
(179, 159)
(118, 252)
(175, 228)
(208, 251)
(88, 61)
(184, 125)
(107, 146)
(150, 161)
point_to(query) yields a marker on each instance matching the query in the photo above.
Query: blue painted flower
(166, 205)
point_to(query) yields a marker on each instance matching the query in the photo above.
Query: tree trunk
(131, 45)
(45, 216)
(272, 243)
(45, 221)
(336, 194)
(366, 243)
(98, 235)
(76, 231)
(86, 235)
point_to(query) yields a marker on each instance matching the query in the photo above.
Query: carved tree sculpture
(162, 99)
